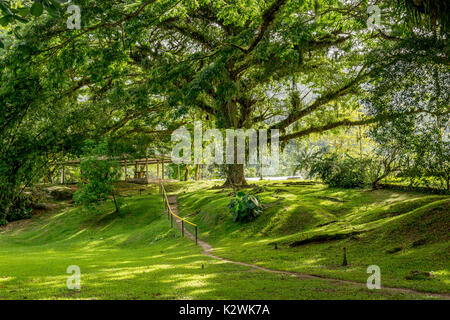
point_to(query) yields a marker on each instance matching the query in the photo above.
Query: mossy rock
(61, 193)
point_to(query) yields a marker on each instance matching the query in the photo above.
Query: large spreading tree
(137, 70)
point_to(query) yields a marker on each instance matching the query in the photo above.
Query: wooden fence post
(195, 235)
(136, 170)
(125, 169)
(157, 170)
(62, 175)
(345, 263)
(146, 169)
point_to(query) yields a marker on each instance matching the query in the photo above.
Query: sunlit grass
(385, 220)
(135, 254)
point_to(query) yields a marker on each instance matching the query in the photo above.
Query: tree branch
(348, 123)
(330, 96)
(268, 17)
(101, 25)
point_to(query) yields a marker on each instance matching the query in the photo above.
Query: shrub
(244, 207)
(19, 214)
(344, 172)
(20, 209)
(98, 176)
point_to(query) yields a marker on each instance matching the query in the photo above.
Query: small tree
(244, 207)
(98, 174)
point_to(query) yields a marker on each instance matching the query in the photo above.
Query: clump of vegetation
(98, 176)
(337, 171)
(20, 208)
(245, 207)
(18, 213)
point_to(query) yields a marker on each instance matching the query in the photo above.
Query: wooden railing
(171, 215)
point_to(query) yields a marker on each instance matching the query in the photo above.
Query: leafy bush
(19, 214)
(98, 176)
(244, 207)
(20, 209)
(344, 172)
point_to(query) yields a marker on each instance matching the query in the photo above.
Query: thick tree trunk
(235, 175)
(186, 173)
(376, 182)
(234, 120)
(197, 172)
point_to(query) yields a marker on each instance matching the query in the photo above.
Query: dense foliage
(418, 85)
(99, 174)
(137, 70)
(337, 171)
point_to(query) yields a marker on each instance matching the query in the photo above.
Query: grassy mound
(402, 232)
(424, 225)
(135, 254)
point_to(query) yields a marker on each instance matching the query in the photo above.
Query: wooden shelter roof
(123, 162)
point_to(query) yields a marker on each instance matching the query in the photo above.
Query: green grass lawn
(376, 224)
(135, 255)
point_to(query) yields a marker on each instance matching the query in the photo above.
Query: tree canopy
(137, 70)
